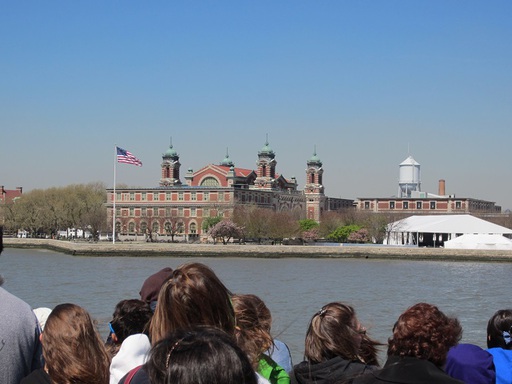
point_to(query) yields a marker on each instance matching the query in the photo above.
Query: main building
(180, 207)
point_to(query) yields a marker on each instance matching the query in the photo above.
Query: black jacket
(336, 370)
(39, 376)
(407, 370)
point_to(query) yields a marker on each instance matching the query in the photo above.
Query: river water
(293, 289)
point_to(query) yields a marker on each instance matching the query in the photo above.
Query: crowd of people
(187, 327)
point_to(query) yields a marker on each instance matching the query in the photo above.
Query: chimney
(20, 189)
(442, 187)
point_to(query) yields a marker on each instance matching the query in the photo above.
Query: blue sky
(366, 82)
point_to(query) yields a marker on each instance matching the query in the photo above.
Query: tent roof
(479, 241)
(447, 224)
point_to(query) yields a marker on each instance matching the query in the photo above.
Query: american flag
(124, 156)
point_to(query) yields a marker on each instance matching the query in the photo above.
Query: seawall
(143, 249)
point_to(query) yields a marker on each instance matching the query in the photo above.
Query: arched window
(156, 227)
(210, 182)
(193, 228)
(181, 228)
(168, 228)
(118, 227)
(131, 227)
(143, 227)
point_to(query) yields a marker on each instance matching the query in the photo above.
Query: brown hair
(72, 348)
(193, 295)
(424, 332)
(253, 320)
(332, 333)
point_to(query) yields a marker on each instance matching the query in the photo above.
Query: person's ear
(41, 337)
(114, 338)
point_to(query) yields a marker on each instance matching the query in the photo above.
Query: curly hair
(253, 321)
(193, 295)
(201, 355)
(499, 329)
(332, 333)
(424, 332)
(72, 348)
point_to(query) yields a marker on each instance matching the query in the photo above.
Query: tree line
(43, 212)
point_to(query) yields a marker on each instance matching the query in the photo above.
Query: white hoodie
(133, 352)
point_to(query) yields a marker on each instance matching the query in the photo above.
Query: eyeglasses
(111, 328)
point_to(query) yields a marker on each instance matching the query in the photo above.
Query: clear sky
(366, 82)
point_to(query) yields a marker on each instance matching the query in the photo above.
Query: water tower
(409, 179)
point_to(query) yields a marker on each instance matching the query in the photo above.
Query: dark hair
(332, 332)
(72, 348)
(130, 317)
(253, 320)
(201, 355)
(499, 330)
(192, 296)
(424, 332)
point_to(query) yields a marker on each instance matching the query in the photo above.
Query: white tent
(479, 241)
(434, 230)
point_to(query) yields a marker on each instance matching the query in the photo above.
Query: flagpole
(114, 198)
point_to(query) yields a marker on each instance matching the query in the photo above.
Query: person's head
(499, 330)
(424, 332)
(193, 295)
(130, 317)
(151, 286)
(334, 331)
(72, 348)
(471, 364)
(198, 356)
(253, 321)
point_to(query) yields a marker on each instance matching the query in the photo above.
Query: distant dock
(143, 249)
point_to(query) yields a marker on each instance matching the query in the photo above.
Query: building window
(167, 196)
(391, 205)
(167, 211)
(206, 196)
(118, 211)
(193, 212)
(221, 196)
(193, 196)
(155, 196)
(180, 211)
(143, 196)
(131, 227)
(132, 212)
(366, 205)
(180, 228)
(210, 182)
(206, 212)
(406, 205)
(458, 205)
(118, 196)
(143, 227)
(432, 205)
(156, 227)
(193, 228)
(132, 196)
(419, 205)
(143, 211)
(180, 196)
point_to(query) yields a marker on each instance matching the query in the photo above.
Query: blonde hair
(72, 348)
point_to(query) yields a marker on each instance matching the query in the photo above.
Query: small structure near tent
(435, 230)
(479, 241)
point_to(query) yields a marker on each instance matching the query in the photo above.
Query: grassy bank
(143, 249)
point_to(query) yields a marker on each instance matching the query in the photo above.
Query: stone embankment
(143, 249)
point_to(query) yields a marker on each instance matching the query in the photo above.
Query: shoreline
(143, 249)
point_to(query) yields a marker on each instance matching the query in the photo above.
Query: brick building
(180, 206)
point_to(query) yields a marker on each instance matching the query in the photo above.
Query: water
(293, 289)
